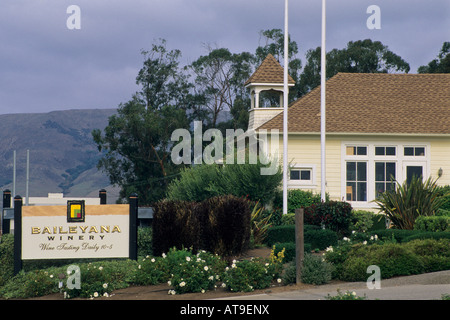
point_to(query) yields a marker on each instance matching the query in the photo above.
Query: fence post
(299, 243)
(133, 225)
(102, 196)
(5, 227)
(17, 234)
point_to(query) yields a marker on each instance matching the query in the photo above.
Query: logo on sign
(75, 211)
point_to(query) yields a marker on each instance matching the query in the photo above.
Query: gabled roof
(270, 71)
(374, 103)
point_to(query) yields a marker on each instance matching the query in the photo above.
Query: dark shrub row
(219, 225)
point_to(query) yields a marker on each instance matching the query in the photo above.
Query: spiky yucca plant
(409, 201)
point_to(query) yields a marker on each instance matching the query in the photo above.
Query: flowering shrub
(346, 296)
(194, 273)
(249, 275)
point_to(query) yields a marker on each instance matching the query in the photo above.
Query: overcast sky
(45, 66)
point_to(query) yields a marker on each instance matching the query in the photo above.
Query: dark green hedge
(220, 225)
(314, 236)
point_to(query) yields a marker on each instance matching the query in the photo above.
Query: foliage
(6, 258)
(433, 223)
(259, 225)
(135, 144)
(144, 241)
(333, 215)
(242, 180)
(362, 56)
(439, 65)
(409, 201)
(345, 296)
(316, 270)
(298, 198)
(194, 273)
(249, 275)
(362, 220)
(220, 225)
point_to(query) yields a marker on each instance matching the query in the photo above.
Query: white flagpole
(322, 103)
(285, 107)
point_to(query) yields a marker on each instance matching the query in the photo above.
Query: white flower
(206, 268)
(376, 237)
(164, 255)
(279, 280)
(100, 268)
(224, 285)
(172, 292)
(203, 290)
(139, 266)
(153, 260)
(233, 265)
(266, 264)
(95, 294)
(211, 278)
(346, 239)
(353, 293)
(105, 285)
(188, 258)
(106, 294)
(329, 249)
(353, 232)
(182, 284)
(371, 238)
(51, 276)
(169, 283)
(364, 242)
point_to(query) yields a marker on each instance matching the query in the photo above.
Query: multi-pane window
(385, 151)
(414, 151)
(356, 181)
(356, 151)
(384, 177)
(300, 174)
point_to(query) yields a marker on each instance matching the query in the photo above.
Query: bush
(241, 180)
(320, 239)
(6, 258)
(297, 199)
(144, 241)
(433, 223)
(334, 215)
(393, 260)
(315, 270)
(435, 254)
(220, 225)
(362, 221)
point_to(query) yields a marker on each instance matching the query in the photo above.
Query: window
(385, 151)
(414, 151)
(300, 174)
(356, 151)
(356, 181)
(384, 177)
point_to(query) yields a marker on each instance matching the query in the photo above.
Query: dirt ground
(160, 292)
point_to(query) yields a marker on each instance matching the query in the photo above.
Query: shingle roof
(374, 103)
(270, 71)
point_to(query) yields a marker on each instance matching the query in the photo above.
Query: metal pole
(322, 103)
(28, 178)
(285, 107)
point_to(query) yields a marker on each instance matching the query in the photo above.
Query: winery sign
(76, 231)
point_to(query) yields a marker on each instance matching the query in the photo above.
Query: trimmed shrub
(220, 225)
(334, 215)
(393, 260)
(321, 239)
(432, 223)
(435, 254)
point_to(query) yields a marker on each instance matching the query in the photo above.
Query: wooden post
(6, 204)
(17, 234)
(299, 243)
(102, 196)
(133, 201)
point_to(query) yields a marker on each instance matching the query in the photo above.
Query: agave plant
(409, 201)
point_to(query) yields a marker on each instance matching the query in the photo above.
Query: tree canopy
(439, 65)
